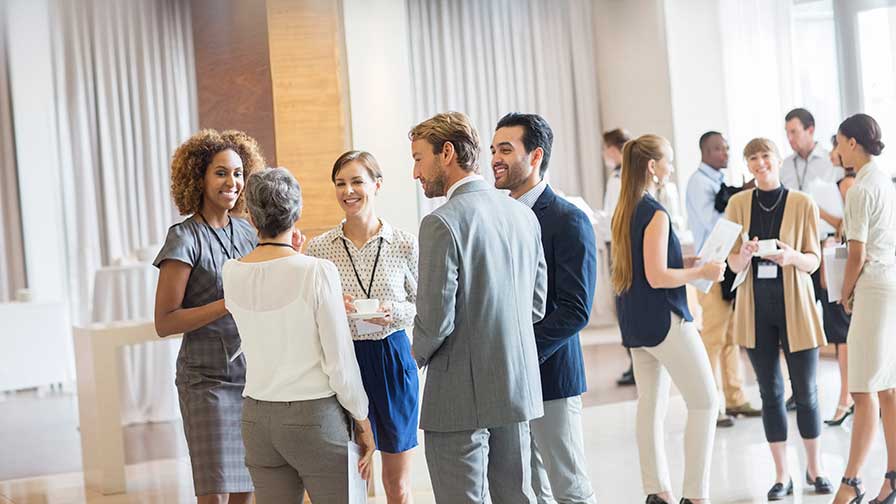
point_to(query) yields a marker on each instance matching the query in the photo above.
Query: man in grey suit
(482, 284)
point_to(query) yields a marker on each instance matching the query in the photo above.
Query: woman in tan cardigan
(775, 306)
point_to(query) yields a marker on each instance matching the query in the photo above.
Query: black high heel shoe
(654, 499)
(685, 501)
(822, 485)
(891, 498)
(854, 483)
(834, 422)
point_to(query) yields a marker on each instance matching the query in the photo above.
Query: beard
(436, 186)
(514, 177)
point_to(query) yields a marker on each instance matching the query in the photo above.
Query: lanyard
(800, 179)
(231, 253)
(376, 262)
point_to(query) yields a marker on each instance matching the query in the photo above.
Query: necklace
(777, 202)
(231, 253)
(272, 244)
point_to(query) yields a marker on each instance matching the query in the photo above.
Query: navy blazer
(569, 250)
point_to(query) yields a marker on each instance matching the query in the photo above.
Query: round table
(148, 393)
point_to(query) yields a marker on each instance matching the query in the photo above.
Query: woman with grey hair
(301, 373)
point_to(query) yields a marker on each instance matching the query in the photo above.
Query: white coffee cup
(366, 305)
(24, 296)
(767, 246)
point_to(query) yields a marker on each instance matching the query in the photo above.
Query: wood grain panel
(233, 71)
(310, 100)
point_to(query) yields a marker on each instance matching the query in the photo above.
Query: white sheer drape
(760, 80)
(490, 57)
(125, 84)
(12, 255)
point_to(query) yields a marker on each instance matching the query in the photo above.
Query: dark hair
(536, 133)
(803, 115)
(706, 136)
(366, 160)
(834, 140)
(617, 137)
(865, 130)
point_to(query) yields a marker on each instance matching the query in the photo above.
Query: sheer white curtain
(490, 57)
(760, 73)
(125, 84)
(12, 256)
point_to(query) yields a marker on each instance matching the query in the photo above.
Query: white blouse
(396, 273)
(870, 214)
(294, 332)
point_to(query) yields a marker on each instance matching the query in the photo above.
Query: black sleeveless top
(645, 313)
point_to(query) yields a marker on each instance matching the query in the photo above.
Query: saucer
(768, 253)
(362, 316)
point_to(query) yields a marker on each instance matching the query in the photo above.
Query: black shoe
(724, 421)
(845, 414)
(654, 499)
(790, 404)
(779, 491)
(685, 501)
(822, 485)
(891, 497)
(627, 378)
(854, 483)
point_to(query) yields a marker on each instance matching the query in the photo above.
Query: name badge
(767, 270)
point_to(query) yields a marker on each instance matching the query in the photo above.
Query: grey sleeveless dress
(209, 385)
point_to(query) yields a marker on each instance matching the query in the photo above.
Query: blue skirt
(389, 374)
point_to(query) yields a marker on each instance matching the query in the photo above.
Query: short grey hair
(274, 199)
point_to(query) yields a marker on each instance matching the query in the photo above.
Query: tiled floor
(33, 435)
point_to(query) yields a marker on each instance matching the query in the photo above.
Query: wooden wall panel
(310, 100)
(233, 72)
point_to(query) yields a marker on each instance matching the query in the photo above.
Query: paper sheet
(717, 247)
(827, 196)
(739, 279)
(834, 269)
(357, 487)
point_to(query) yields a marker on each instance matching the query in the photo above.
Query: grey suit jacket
(482, 284)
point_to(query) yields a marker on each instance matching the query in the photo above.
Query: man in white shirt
(809, 161)
(718, 313)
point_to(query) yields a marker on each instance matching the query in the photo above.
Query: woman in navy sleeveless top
(649, 278)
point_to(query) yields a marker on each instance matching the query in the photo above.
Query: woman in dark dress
(207, 177)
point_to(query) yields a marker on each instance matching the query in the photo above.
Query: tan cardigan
(799, 229)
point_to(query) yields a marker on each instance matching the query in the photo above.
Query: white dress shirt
(702, 188)
(611, 195)
(798, 173)
(396, 273)
(294, 331)
(467, 179)
(533, 194)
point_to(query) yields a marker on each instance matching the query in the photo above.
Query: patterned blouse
(396, 273)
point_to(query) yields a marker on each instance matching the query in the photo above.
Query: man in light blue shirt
(718, 319)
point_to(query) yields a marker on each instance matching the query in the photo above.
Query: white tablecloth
(35, 345)
(148, 392)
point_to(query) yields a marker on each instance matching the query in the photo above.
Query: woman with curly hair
(208, 173)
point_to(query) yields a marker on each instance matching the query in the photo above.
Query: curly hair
(193, 157)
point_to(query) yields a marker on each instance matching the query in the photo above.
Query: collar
(465, 180)
(711, 172)
(386, 232)
(531, 196)
(814, 153)
(866, 171)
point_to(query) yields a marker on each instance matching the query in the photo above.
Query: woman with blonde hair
(774, 308)
(378, 261)
(649, 278)
(208, 174)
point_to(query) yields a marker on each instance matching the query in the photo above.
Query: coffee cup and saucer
(366, 309)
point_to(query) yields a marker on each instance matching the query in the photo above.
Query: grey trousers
(559, 470)
(294, 446)
(468, 467)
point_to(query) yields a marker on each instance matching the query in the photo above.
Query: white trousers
(680, 358)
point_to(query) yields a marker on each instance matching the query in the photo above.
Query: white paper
(717, 247)
(362, 327)
(834, 269)
(827, 196)
(357, 487)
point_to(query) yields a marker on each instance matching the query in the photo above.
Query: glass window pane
(877, 64)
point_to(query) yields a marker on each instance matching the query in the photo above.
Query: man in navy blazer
(521, 149)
